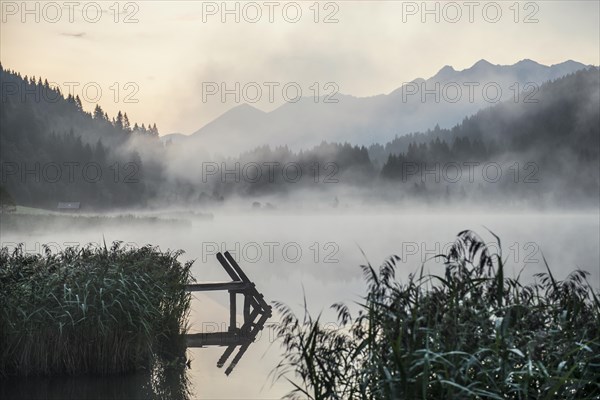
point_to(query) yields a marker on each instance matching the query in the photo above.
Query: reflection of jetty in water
(256, 313)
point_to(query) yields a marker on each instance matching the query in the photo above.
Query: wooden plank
(258, 327)
(258, 302)
(225, 356)
(228, 268)
(236, 359)
(257, 297)
(246, 307)
(232, 306)
(247, 327)
(236, 267)
(201, 287)
(217, 339)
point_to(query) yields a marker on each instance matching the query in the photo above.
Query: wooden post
(232, 305)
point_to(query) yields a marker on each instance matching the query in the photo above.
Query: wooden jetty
(255, 315)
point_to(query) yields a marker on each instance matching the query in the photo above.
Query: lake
(292, 256)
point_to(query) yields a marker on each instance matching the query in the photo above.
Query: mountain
(443, 99)
(53, 151)
(550, 148)
(544, 153)
(565, 119)
(235, 122)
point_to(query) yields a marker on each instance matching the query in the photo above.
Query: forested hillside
(53, 151)
(563, 113)
(559, 134)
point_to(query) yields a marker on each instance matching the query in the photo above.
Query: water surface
(313, 256)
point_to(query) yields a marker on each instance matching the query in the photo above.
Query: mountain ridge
(366, 120)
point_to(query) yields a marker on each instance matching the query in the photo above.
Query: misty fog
(405, 131)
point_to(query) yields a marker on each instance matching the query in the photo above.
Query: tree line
(560, 133)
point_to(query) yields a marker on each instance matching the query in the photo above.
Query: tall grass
(470, 334)
(91, 310)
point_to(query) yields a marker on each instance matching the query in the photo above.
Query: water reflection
(256, 313)
(159, 382)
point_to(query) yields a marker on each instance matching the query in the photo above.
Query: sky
(180, 64)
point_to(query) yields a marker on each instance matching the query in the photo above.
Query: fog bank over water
(291, 254)
(281, 243)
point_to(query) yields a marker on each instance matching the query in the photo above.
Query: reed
(470, 334)
(91, 310)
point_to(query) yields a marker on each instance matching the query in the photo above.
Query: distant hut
(71, 206)
(7, 208)
(7, 204)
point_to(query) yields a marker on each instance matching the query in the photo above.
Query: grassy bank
(93, 310)
(473, 333)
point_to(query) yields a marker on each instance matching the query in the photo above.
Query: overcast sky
(174, 52)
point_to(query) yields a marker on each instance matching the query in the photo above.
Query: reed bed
(470, 334)
(91, 310)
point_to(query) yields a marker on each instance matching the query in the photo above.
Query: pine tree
(98, 113)
(78, 103)
(119, 121)
(126, 125)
